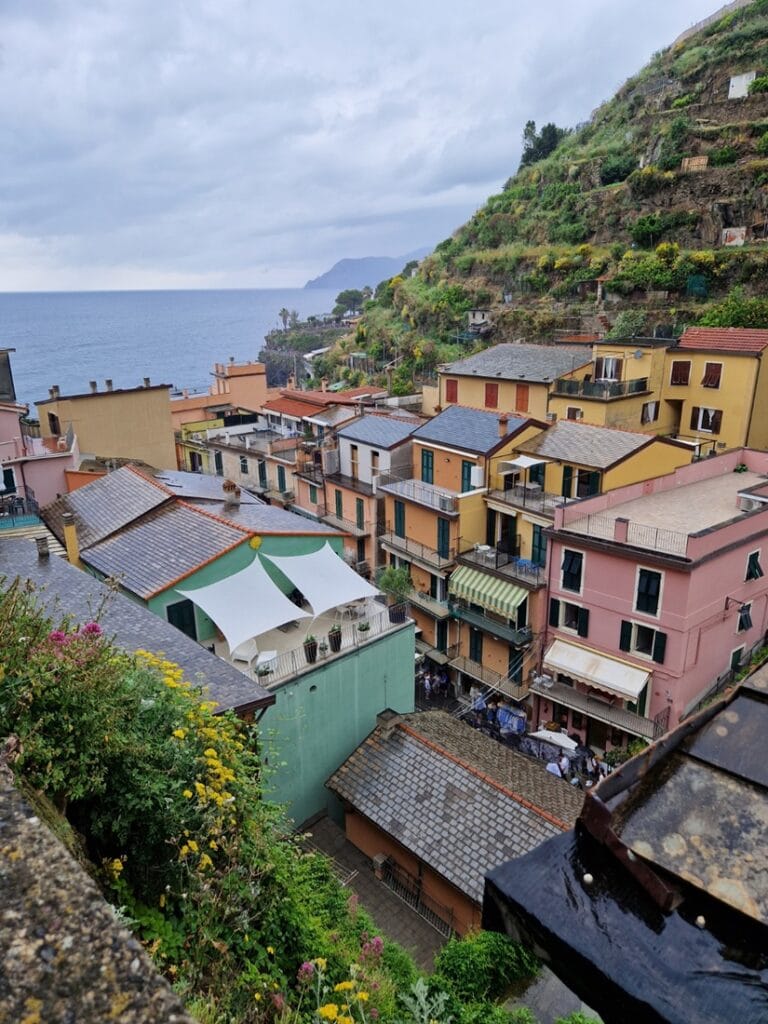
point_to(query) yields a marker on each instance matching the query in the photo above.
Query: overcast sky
(247, 143)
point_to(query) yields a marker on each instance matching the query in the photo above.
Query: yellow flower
(193, 845)
(179, 733)
(270, 950)
(184, 850)
(257, 996)
(328, 1012)
(344, 986)
(363, 997)
(161, 901)
(213, 844)
(344, 1020)
(321, 962)
(205, 862)
(188, 794)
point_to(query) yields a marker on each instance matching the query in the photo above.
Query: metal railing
(528, 497)
(355, 528)
(521, 569)
(485, 621)
(410, 891)
(627, 721)
(440, 559)
(653, 538)
(352, 636)
(502, 685)
(439, 609)
(600, 389)
(418, 491)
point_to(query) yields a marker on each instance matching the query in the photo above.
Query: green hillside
(618, 198)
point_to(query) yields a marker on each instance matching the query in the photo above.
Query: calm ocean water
(173, 337)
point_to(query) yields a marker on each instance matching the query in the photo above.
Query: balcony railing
(518, 637)
(486, 676)
(438, 609)
(438, 559)
(356, 529)
(652, 538)
(530, 496)
(309, 470)
(520, 569)
(18, 510)
(603, 390)
(419, 492)
(292, 663)
(618, 717)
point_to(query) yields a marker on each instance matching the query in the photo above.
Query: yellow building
(510, 377)
(192, 453)
(715, 388)
(122, 423)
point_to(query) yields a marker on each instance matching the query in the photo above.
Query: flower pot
(397, 613)
(334, 639)
(310, 651)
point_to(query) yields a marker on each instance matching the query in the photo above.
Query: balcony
(617, 717)
(437, 609)
(437, 498)
(601, 390)
(281, 497)
(434, 654)
(529, 497)
(340, 523)
(521, 570)
(486, 676)
(639, 535)
(420, 552)
(483, 620)
(311, 471)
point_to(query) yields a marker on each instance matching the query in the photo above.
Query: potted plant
(363, 627)
(310, 648)
(334, 638)
(323, 648)
(396, 584)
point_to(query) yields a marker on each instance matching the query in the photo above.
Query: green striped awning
(488, 591)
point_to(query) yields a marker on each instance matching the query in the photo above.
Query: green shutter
(625, 638)
(554, 612)
(583, 627)
(659, 647)
(567, 481)
(427, 465)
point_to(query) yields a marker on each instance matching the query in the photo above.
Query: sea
(172, 337)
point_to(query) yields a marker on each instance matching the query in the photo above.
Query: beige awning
(521, 462)
(599, 670)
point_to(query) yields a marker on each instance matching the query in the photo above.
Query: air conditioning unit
(544, 680)
(476, 476)
(551, 417)
(749, 504)
(445, 502)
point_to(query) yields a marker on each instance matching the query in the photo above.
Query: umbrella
(559, 739)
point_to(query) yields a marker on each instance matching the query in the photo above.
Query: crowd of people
(433, 684)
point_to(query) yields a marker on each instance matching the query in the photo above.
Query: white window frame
(575, 409)
(573, 630)
(614, 364)
(634, 650)
(653, 412)
(702, 410)
(568, 590)
(759, 553)
(647, 568)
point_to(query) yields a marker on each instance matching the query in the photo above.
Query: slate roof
(571, 441)
(455, 817)
(105, 505)
(724, 339)
(472, 430)
(379, 431)
(200, 486)
(265, 518)
(153, 552)
(63, 590)
(538, 363)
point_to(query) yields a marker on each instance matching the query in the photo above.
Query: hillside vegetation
(616, 198)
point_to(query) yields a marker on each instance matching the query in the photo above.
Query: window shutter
(598, 368)
(695, 417)
(717, 421)
(451, 390)
(659, 647)
(625, 639)
(754, 569)
(567, 481)
(583, 627)
(554, 612)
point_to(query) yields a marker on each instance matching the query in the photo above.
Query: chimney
(54, 391)
(503, 422)
(147, 382)
(185, 393)
(71, 542)
(43, 551)
(291, 382)
(323, 383)
(108, 383)
(231, 497)
(387, 721)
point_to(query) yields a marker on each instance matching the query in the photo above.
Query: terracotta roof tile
(293, 407)
(725, 339)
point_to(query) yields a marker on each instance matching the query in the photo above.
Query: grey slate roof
(105, 505)
(380, 431)
(472, 430)
(200, 486)
(571, 441)
(153, 552)
(538, 363)
(265, 518)
(63, 590)
(449, 815)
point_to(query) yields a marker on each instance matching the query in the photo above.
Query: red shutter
(451, 391)
(491, 396)
(680, 372)
(522, 398)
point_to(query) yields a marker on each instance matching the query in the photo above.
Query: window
(195, 462)
(754, 569)
(538, 546)
(573, 413)
(639, 639)
(9, 480)
(521, 400)
(536, 475)
(427, 465)
(466, 475)
(281, 478)
(681, 372)
(567, 481)
(441, 635)
(451, 391)
(708, 421)
(565, 615)
(648, 590)
(443, 537)
(313, 494)
(745, 618)
(572, 565)
(650, 412)
(438, 588)
(587, 483)
(338, 503)
(491, 396)
(53, 424)
(476, 646)
(353, 460)
(243, 464)
(399, 518)
(218, 463)
(712, 372)
(736, 657)
(608, 368)
(360, 513)
(263, 482)
(374, 463)
(638, 706)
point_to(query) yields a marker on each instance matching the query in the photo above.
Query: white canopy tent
(521, 462)
(325, 579)
(245, 605)
(557, 739)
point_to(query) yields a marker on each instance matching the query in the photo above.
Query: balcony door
(443, 537)
(399, 518)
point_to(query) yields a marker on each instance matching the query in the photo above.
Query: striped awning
(488, 591)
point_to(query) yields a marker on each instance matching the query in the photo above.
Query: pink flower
(305, 973)
(58, 636)
(91, 629)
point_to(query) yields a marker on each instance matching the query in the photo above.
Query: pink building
(657, 593)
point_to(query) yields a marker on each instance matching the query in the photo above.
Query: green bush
(482, 965)
(762, 144)
(617, 168)
(759, 84)
(648, 180)
(724, 156)
(683, 101)
(737, 310)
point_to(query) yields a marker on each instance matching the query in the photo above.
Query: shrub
(762, 144)
(629, 323)
(737, 311)
(759, 84)
(648, 180)
(482, 965)
(683, 101)
(724, 156)
(617, 168)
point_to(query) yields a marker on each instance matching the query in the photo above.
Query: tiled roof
(472, 430)
(106, 505)
(202, 486)
(460, 807)
(724, 339)
(153, 552)
(521, 362)
(380, 431)
(265, 518)
(335, 397)
(586, 445)
(292, 407)
(65, 590)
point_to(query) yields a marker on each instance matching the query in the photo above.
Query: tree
(285, 316)
(737, 310)
(350, 300)
(293, 318)
(537, 145)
